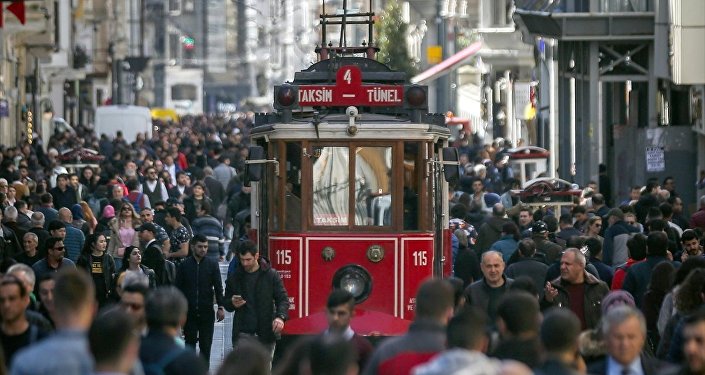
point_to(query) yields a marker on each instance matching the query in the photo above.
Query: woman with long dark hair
(98, 264)
(132, 262)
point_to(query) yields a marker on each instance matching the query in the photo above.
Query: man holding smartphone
(256, 293)
(691, 245)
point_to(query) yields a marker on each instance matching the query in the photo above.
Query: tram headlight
(285, 96)
(355, 280)
(415, 96)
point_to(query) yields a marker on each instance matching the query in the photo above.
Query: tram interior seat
(381, 210)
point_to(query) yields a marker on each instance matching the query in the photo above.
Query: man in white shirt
(624, 331)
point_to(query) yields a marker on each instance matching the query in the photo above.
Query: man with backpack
(160, 354)
(138, 199)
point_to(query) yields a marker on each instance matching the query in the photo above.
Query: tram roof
(366, 130)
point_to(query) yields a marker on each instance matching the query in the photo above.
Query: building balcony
(588, 26)
(566, 21)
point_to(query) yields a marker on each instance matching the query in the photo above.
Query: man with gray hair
(487, 292)
(624, 332)
(576, 289)
(30, 243)
(39, 229)
(10, 219)
(166, 313)
(9, 242)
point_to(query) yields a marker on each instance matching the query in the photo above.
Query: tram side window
(292, 197)
(373, 185)
(412, 152)
(330, 182)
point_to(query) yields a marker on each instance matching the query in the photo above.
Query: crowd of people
(137, 232)
(131, 226)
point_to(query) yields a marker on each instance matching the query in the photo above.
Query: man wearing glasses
(54, 260)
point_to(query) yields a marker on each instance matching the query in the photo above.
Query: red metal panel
(349, 90)
(352, 250)
(286, 257)
(308, 277)
(416, 266)
(447, 253)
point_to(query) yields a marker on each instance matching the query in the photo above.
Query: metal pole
(553, 106)
(509, 131)
(442, 82)
(572, 121)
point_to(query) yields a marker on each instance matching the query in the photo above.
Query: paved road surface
(222, 335)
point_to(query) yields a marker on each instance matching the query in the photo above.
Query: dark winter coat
(489, 233)
(271, 299)
(595, 291)
(200, 282)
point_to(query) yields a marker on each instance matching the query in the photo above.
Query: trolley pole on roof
(442, 83)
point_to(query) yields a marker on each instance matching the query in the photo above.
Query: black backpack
(157, 368)
(169, 273)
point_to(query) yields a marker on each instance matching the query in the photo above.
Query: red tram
(349, 177)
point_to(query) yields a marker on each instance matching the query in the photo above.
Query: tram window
(373, 185)
(411, 185)
(292, 198)
(331, 186)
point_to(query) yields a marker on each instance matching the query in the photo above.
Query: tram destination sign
(349, 90)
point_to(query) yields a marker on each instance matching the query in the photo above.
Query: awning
(447, 65)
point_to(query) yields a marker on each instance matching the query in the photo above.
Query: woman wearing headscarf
(78, 221)
(108, 214)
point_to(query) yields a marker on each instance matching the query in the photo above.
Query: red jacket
(398, 355)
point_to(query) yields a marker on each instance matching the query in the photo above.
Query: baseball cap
(539, 227)
(147, 226)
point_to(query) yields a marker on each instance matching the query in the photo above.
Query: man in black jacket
(198, 278)
(528, 265)
(256, 293)
(486, 292)
(152, 255)
(63, 194)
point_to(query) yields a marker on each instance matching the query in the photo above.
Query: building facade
(619, 99)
